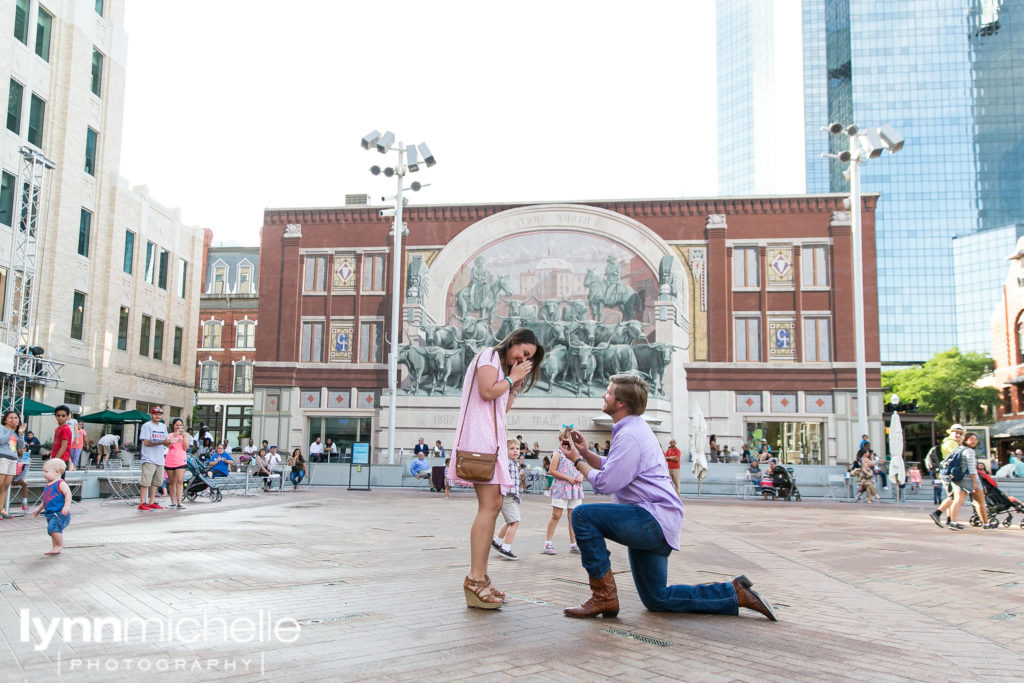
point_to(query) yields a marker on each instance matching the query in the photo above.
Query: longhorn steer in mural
(445, 336)
(583, 363)
(626, 332)
(555, 365)
(484, 299)
(613, 295)
(420, 362)
(614, 360)
(520, 309)
(575, 311)
(651, 360)
(477, 332)
(551, 310)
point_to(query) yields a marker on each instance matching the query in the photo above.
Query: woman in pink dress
(501, 372)
(174, 462)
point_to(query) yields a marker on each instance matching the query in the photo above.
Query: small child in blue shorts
(56, 502)
(510, 507)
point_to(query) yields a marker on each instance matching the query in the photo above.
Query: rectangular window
(99, 7)
(373, 273)
(21, 20)
(814, 266)
(161, 278)
(36, 113)
(316, 273)
(44, 23)
(150, 262)
(129, 251)
(817, 338)
(211, 334)
(245, 334)
(144, 335)
(176, 351)
(312, 342)
(3, 293)
(158, 340)
(96, 84)
(744, 267)
(122, 329)
(245, 279)
(219, 278)
(748, 339)
(182, 278)
(7, 198)
(77, 315)
(209, 376)
(84, 225)
(243, 378)
(15, 96)
(90, 151)
(370, 350)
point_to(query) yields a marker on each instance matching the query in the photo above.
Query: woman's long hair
(522, 335)
(3, 421)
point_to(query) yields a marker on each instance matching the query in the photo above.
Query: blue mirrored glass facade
(949, 76)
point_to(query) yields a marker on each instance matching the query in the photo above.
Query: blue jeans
(296, 477)
(636, 529)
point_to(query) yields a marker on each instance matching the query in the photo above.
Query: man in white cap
(954, 439)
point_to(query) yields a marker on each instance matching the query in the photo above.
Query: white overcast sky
(233, 106)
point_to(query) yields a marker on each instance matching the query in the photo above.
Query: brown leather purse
(477, 467)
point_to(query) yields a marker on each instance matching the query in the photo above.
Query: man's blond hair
(632, 391)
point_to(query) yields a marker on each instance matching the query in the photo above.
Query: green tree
(945, 385)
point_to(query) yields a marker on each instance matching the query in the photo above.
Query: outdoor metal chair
(744, 487)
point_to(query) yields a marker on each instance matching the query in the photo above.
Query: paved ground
(374, 581)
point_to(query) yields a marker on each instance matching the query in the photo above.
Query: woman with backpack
(961, 470)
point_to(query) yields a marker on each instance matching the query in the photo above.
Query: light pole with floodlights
(864, 145)
(409, 161)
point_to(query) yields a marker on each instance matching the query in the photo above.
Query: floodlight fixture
(834, 128)
(428, 158)
(851, 129)
(385, 142)
(844, 156)
(412, 159)
(370, 139)
(871, 143)
(389, 172)
(375, 170)
(415, 187)
(893, 141)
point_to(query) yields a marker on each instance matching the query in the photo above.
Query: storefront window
(343, 431)
(793, 443)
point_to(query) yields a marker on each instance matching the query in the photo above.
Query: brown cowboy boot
(604, 601)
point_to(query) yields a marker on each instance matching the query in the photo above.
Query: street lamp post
(408, 162)
(864, 145)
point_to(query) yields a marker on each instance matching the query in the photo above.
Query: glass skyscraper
(943, 73)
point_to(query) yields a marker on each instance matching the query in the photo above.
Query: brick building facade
(227, 340)
(751, 297)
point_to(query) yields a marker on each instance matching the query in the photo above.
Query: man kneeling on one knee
(646, 516)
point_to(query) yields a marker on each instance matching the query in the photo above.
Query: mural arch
(587, 280)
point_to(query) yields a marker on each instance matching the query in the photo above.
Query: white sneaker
(574, 549)
(549, 549)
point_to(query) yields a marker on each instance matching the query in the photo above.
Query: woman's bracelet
(511, 386)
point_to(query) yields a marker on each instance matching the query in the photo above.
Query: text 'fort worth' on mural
(588, 300)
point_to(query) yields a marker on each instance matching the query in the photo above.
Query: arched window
(209, 377)
(1020, 341)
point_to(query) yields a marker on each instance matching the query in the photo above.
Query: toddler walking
(510, 506)
(56, 502)
(566, 490)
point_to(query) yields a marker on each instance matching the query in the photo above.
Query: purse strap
(494, 404)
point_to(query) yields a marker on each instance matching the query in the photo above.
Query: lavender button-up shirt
(634, 473)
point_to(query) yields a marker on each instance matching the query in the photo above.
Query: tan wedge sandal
(479, 594)
(495, 591)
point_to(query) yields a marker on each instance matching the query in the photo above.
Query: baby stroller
(997, 502)
(200, 481)
(783, 485)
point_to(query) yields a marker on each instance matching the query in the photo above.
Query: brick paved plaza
(374, 581)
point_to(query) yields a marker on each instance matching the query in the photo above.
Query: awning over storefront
(1007, 430)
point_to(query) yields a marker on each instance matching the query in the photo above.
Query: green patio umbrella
(132, 416)
(107, 417)
(33, 408)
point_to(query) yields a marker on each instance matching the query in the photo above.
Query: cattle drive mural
(588, 300)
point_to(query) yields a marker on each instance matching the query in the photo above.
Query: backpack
(934, 456)
(952, 468)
